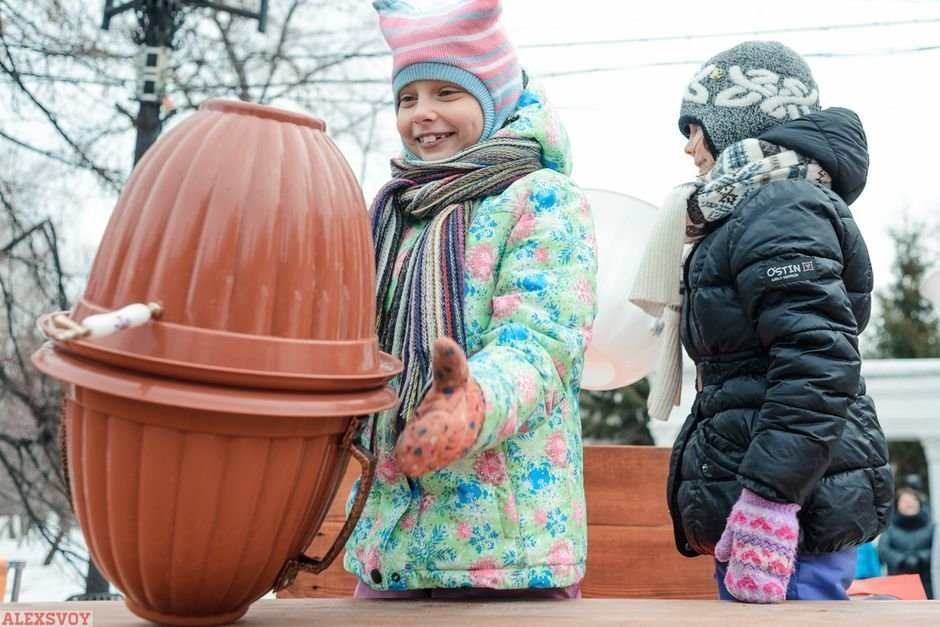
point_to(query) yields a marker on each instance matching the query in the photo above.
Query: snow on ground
(55, 582)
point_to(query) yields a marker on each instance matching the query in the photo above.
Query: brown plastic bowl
(181, 362)
(246, 223)
(194, 499)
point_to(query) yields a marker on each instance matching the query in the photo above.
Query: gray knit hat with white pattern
(747, 90)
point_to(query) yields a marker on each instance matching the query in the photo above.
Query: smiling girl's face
(437, 119)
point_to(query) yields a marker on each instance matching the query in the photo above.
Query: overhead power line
(101, 80)
(637, 40)
(637, 66)
(47, 51)
(573, 72)
(770, 31)
(559, 73)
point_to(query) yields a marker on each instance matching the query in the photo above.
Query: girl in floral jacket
(486, 290)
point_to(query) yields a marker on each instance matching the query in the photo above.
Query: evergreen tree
(616, 416)
(907, 326)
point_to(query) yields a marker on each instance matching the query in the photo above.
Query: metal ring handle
(317, 565)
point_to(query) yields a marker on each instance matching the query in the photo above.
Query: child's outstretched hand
(759, 542)
(448, 420)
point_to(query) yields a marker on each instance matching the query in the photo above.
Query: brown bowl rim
(81, 372)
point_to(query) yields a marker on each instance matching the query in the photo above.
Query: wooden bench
(607, 612)
(631, 552)
(638, 612)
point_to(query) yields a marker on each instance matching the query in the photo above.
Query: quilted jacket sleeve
(787, 257)
(543, 308)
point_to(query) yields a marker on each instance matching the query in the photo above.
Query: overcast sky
(622, 122)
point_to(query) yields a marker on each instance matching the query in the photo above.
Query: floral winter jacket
(510, 514)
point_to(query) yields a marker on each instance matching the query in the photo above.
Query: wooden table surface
(349, 612)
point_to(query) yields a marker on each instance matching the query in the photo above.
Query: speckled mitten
(759, 544)
(448, 420)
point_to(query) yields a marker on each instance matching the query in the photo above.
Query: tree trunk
(95, 583)
(97, 588)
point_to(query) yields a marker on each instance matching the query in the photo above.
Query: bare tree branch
(238, 65)
(47, 153)
(10, 70)
(279, 49)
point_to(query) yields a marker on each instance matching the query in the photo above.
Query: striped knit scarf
(428, 298)
(657, 289)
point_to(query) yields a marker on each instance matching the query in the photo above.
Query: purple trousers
(363, 591)
(816, 577)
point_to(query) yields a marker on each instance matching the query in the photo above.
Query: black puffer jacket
(776, 296)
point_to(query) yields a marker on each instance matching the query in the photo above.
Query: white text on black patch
(795, 270)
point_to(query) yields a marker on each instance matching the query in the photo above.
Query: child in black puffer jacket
(781, 469)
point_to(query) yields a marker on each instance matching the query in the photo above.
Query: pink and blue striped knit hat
(462, 44)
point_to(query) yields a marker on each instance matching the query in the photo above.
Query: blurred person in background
(907, 546)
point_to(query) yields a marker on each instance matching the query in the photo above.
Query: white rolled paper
(104, 324)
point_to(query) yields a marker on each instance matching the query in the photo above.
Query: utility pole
(159, 21)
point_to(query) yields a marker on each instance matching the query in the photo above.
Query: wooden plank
(631, 552)
(640, 612)
(626, 485)
(632, 562)
(334, 582)
(623, 562)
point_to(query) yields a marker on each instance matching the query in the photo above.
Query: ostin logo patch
(797, 270)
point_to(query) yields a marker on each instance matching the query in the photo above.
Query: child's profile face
(698, 150)
(437, 119)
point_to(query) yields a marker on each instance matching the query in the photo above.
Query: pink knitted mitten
(759, 542)
(448, 420)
